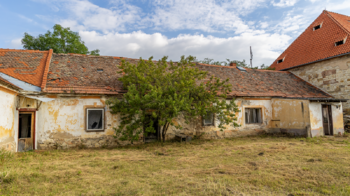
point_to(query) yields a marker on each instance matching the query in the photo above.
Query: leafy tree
(61, 40)
(228, 62)
(167, 90)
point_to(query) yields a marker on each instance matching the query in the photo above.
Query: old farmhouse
(50, 100)
(321, 56)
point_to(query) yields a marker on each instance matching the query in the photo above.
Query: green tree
(61, 40)
(167, 90)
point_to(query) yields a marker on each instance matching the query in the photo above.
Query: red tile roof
(25, 65)
(75, 73)
(264, 83)
(85, 74)
(315, 45)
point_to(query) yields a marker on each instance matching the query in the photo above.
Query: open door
(152, 137)
(26, 131)
(327, 119)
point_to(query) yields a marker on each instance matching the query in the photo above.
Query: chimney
(233, 65)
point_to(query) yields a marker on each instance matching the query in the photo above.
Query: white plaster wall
(8, 120)
(64, 118)
(316, 118)
(266, 111)
(316, 124)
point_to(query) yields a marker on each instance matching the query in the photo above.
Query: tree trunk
(165, 129)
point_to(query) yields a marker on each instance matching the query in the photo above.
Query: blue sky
(217, 29)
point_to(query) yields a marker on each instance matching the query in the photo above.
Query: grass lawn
(239, 166)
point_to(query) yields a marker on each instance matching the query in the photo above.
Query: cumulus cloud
(266, 47)
(16, 43)
(284, 3)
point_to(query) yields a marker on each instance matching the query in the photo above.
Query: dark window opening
(95, 119)
(99, 70)
(253, 115)
(208, 119)
(339, 43)
(25, 126)
(317, 27)
(280, 61)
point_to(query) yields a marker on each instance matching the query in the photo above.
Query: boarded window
(95, 119)
(253, 115)
(208, 119)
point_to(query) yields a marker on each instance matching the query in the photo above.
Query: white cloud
(85, 15)
(266, 47)
(284, 3)
(16, 43)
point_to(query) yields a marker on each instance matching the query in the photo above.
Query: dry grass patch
(247, 166)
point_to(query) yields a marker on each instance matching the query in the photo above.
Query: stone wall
(332, 76)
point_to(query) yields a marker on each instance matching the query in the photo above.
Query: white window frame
(87, 119)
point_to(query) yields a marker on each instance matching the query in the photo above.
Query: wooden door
(26, 131)
(327, 119)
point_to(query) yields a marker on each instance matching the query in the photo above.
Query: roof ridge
(46, 70)
(337, 22)
(336, 13)
(23, 50)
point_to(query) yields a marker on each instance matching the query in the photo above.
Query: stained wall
(8, 119)
(317, 121)
(61, 123)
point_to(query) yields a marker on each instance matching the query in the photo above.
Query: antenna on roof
(251, 57)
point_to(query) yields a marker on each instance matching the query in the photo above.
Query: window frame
(209, 124)
(87, 119)
(254, 123)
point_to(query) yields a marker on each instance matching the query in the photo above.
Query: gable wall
(8, 119)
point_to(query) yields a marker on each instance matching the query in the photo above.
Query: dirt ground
(240, 166)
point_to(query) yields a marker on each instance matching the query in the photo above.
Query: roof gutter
(339, 55)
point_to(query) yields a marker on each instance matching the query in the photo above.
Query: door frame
(27, 111)
(330, 119)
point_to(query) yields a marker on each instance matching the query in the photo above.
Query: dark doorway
(26, 131)
(152, 137)
(327, 119)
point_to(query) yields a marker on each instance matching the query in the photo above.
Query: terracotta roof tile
(264, 83)
(314, 45)
(25, 65)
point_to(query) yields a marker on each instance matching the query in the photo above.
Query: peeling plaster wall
(8, 120)
(61, 124)
(212, 132)
(317, 122)
(290, 116)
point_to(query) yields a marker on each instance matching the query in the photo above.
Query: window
(95, 119)
(208, 119)
(99, 70)
(253, 115)
(339, 43)
(241, 69)
(280, 61)
(317, 27)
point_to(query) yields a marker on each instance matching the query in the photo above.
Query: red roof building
(327, 37)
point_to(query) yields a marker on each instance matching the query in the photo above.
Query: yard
(240, 166)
